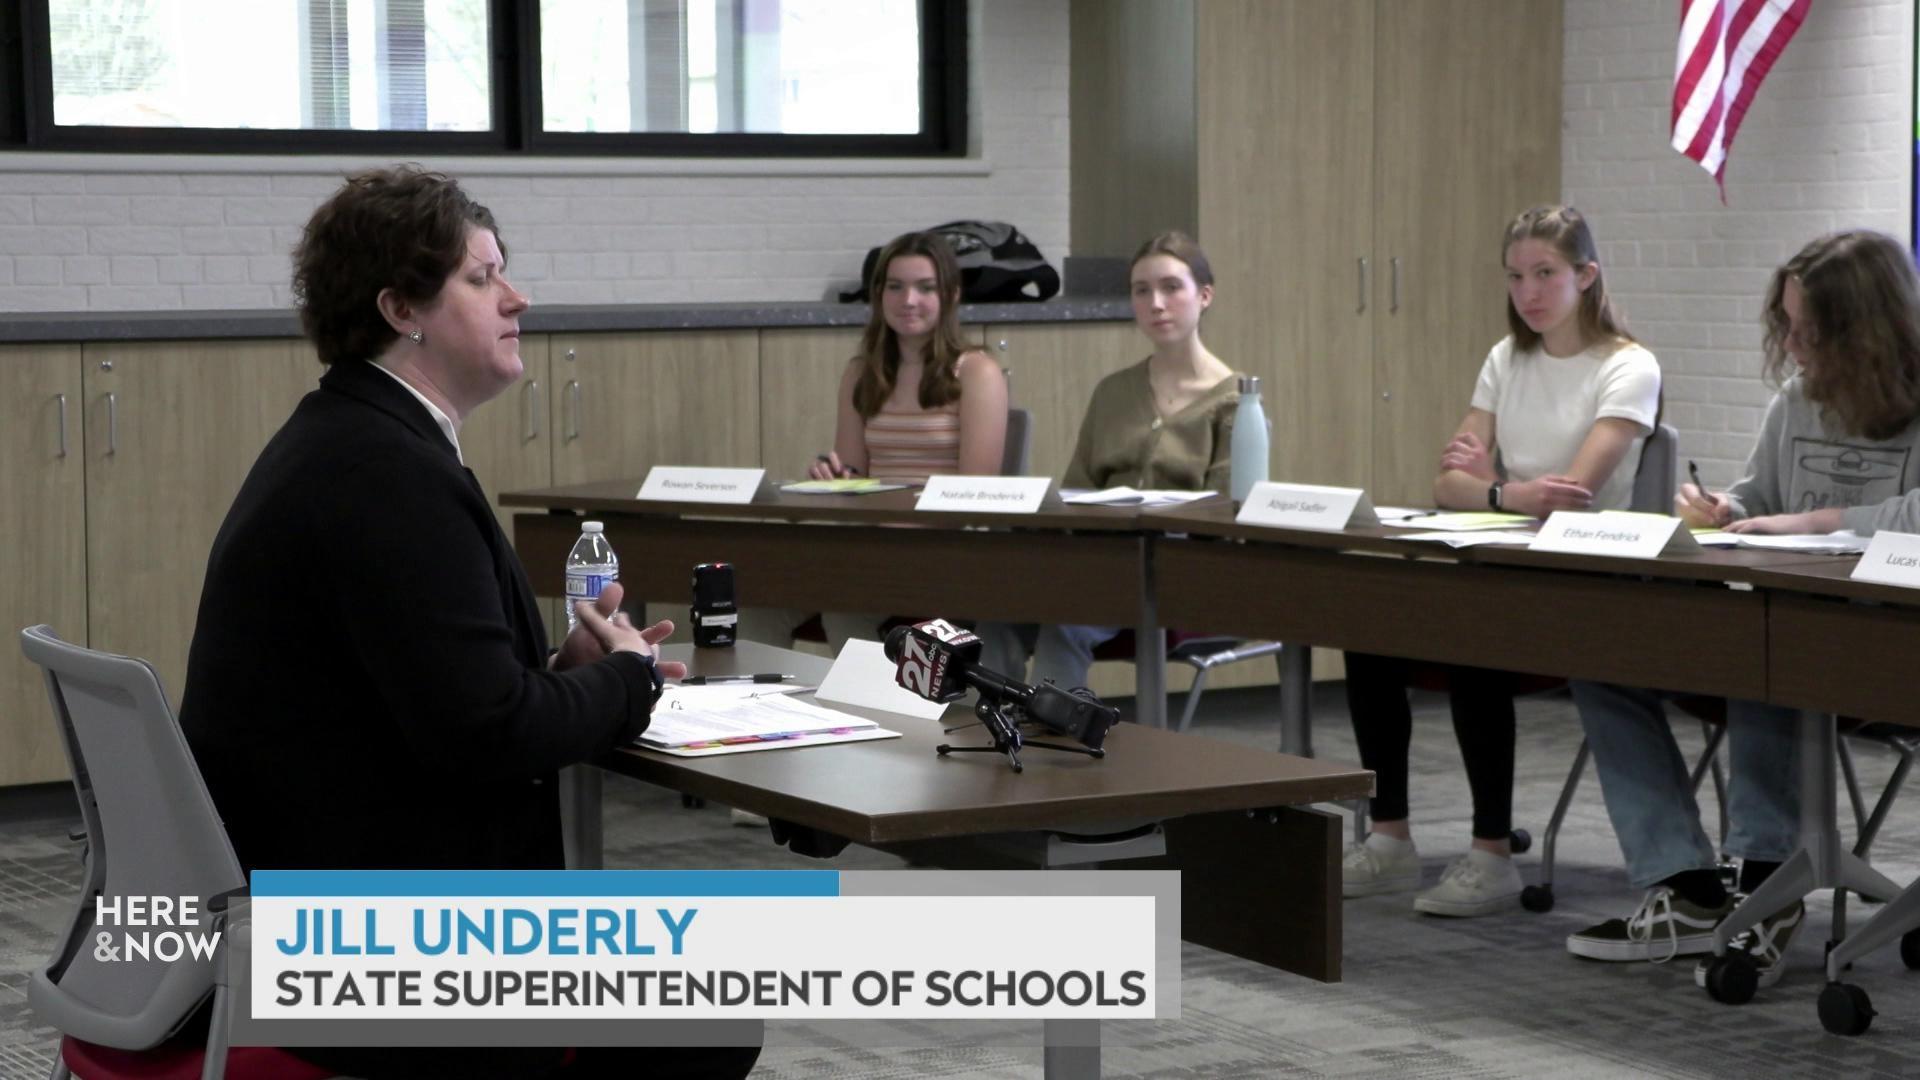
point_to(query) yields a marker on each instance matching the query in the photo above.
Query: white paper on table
(1126, 496)
(1716, 538)
(1844, 542)
(820, 738)
(699, 714)
(1390, 514)
(1471, 538)
(863, 677)
(1461, 521)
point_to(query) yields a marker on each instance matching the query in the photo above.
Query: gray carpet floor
(1423, 999)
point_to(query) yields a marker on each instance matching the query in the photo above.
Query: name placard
(1622, 535)
(1891, 558)
(984, 494)
(1306, 506)
(676, 483)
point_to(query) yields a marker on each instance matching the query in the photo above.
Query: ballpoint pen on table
(704, 680)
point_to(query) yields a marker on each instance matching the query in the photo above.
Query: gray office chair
(1019, 453)
(151, 830)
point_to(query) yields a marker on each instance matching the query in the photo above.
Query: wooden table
(1065, 564)
(1841, 646)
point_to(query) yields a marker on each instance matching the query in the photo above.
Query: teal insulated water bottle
(1247, 464)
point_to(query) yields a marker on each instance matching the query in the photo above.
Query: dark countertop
(549, 319)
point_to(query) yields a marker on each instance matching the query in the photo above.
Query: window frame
(26, 109)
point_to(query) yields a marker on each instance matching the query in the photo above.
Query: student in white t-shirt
(1559, 415)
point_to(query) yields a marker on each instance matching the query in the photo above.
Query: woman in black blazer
(369, 684)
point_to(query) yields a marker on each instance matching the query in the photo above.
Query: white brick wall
(1828, 144)
(116, 240)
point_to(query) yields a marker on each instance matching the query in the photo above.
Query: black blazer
(367, 685)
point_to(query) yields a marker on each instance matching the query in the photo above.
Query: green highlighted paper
(858, 485)
(1469, 521)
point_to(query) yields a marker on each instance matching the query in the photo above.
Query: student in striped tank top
(917, 401)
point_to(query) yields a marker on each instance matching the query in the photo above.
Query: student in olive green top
(1165, 423)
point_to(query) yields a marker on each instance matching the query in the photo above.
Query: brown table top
(882, 508)
(1830, 576)
(898, 790)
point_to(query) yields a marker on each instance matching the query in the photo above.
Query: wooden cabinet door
(171, 432)
(43, 501)
(1459, 150)
(623, 403)
(1284, 105)
(800, 372)
(1052, 369)
(508, 442)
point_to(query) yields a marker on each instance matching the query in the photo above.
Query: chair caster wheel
(1910, 949)
(1845, 1010)
(1537, 898)
(692, 802)
(1520, 840)
(1732, 979)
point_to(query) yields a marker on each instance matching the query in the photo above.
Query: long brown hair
(880, 347)
(1566, 230)
(1860, 300)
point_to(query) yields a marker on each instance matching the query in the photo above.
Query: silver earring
(416, 336)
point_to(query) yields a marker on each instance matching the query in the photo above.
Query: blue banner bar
(621, 883)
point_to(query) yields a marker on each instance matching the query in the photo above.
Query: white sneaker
(1478, 883)
(1383, 864)
(746, 819)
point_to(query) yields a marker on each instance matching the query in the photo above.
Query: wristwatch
(1493, 494)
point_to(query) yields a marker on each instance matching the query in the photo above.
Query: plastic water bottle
(591, 565)
(1247, 464)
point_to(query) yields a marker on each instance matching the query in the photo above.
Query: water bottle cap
(592, 527)
(1249, 384)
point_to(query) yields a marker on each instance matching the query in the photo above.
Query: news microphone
(939, 661)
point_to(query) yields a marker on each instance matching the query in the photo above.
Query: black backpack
(997, 264)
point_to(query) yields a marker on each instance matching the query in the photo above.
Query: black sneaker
(1765, 942)
(1664, 926)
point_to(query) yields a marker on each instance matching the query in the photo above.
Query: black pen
(845, 470)
(704, 680)
(1693, 470)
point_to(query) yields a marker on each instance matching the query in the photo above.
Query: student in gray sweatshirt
(1837, 450)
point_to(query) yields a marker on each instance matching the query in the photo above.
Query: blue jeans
(1644, 780)
(1061, 653)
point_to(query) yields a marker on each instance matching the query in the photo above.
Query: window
(479, 76)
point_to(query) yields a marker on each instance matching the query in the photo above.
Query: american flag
(1726, 50)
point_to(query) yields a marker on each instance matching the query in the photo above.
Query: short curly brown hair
(403, 229)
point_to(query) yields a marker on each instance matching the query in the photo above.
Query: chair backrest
(1658, 479)
(1019, 443)
(151, 831)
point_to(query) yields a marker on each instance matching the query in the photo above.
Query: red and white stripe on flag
(1726, 50)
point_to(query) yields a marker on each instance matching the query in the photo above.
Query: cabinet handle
(62, 399)
(573, 409)
(533, 409)
(1393, 286)
(1363, 286)
(113, 423)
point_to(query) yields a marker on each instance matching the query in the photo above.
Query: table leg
(580, 817)
(1073, 1050)
(1149, 652)
(1296, 700)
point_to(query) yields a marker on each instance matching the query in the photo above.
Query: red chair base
(89, 1061)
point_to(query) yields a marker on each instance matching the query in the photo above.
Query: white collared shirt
(447, 427)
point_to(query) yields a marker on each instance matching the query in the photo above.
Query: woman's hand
(1811, 522)
(828, 469)
(1542, 496)
(604, 629)
(1467, 454)
(1702, 509)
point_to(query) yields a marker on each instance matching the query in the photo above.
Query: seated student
(1164, 423)
(917, 401)
(1567, 399)
(1842, 341)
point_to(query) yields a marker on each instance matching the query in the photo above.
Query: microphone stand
(994, 714)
